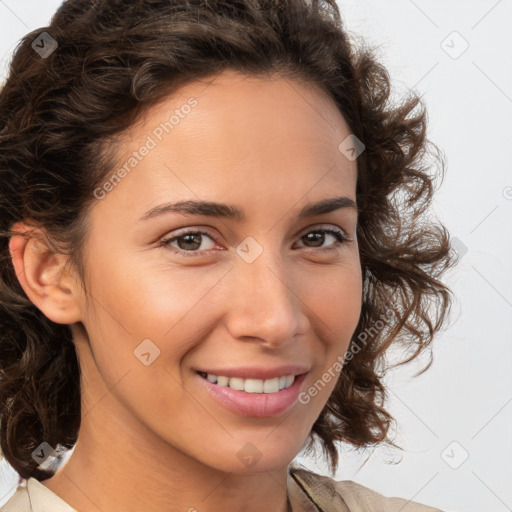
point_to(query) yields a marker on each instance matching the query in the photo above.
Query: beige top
(308, 492)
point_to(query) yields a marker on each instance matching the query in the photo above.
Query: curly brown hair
(116, 58)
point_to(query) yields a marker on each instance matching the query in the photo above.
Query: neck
(91, 482)
(118, 465)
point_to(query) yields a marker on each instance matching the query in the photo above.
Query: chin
(255, 456)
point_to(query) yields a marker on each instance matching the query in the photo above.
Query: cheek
(145, 307)
(336, 301)
(145, 297)
(335, 297)
(142, 298)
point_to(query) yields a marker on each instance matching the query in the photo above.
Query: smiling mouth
(268, 386)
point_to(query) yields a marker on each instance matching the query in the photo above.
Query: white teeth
(236, 383)
(271, 385)
(222, 381)
(252, 385)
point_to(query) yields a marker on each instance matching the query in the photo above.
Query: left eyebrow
(213, 209)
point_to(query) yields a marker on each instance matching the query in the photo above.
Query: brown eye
(188, 242)
(317, 237)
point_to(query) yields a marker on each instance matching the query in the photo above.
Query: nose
(265, 301)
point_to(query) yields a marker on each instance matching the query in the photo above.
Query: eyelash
(339, 235)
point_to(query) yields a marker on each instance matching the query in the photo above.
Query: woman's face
(257, 296)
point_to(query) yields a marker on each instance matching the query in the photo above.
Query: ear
(42, 274)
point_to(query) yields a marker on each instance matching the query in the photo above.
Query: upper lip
(255, 372)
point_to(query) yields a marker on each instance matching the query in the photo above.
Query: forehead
(262, 111)
(236, 136)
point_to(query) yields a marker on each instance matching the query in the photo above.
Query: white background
(466, 396)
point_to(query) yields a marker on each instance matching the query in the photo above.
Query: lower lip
(258, 405)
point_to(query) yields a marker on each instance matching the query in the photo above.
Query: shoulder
(331, 495)
(359, 497)
(18, 502)
(33, 496)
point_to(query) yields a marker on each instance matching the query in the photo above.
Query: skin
(152, 432)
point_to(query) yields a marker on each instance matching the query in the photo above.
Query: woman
(214, 224)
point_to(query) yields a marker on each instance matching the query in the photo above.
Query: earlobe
(43, 276)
